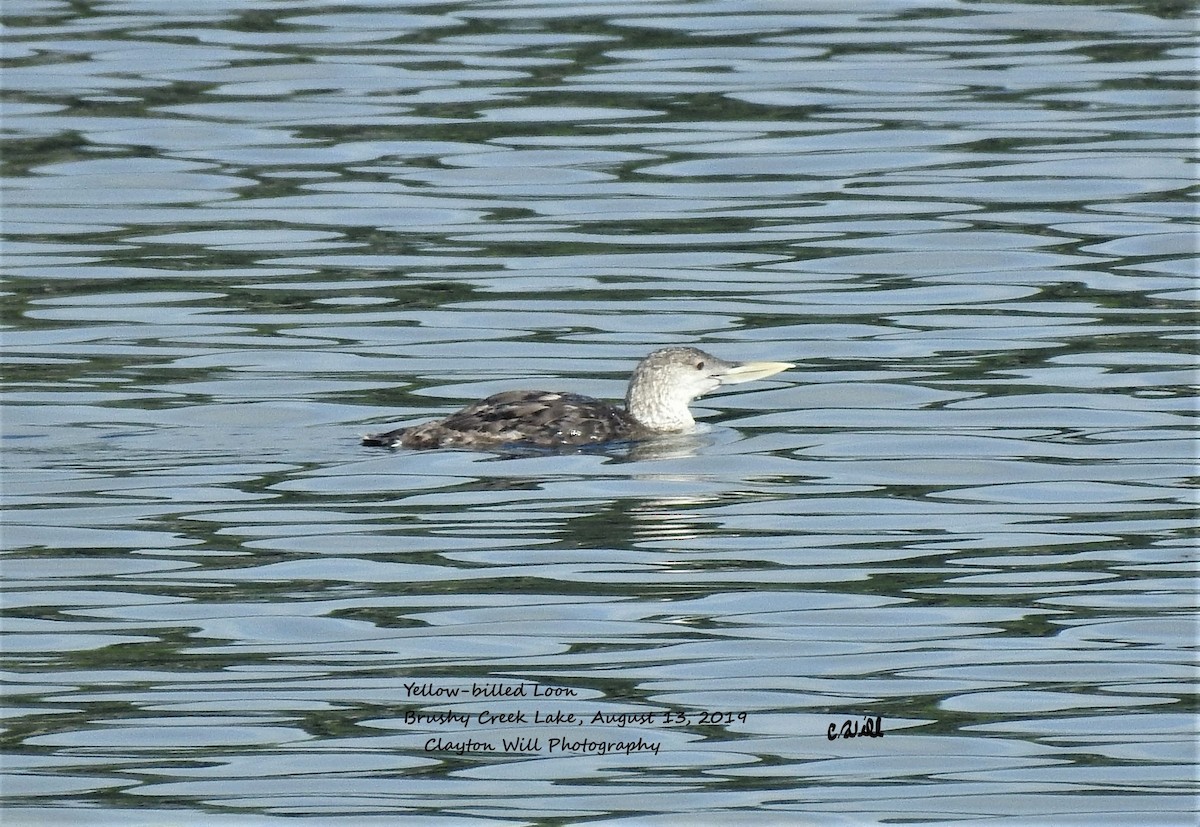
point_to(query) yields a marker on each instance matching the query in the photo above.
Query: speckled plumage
(656, 403)
(538, 418)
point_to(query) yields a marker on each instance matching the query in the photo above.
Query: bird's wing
(545, 417)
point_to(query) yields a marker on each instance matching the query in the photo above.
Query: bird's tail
(388, 439)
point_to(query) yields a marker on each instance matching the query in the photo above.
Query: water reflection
(236, 238)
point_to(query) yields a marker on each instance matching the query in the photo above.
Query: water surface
(237, 239)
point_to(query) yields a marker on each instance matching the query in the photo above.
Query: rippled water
(240, 235)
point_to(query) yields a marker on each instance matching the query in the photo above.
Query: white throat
(659, 406)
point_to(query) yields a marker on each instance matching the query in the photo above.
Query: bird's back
(537, 418)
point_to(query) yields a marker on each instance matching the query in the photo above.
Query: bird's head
(667, 380)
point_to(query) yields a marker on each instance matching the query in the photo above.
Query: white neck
(654, 406)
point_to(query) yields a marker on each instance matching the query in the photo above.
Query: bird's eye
(699, 366)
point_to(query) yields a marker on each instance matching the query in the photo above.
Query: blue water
(239, 236)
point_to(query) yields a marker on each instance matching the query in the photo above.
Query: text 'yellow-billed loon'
(663, 385)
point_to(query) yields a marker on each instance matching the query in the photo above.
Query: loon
(656, 403)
